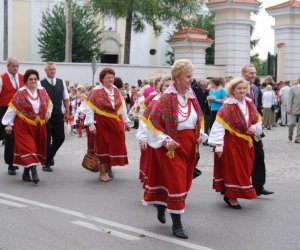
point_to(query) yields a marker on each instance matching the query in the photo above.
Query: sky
(263, 29)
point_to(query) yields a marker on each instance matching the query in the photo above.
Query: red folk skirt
(232, 172)
(170, 180)
(148, 158)
(110, 141)
(30, 146)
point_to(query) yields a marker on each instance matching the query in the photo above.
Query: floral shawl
(99, 102)
(163, 118)
(21, 105)
(233, 120)
(149, 100)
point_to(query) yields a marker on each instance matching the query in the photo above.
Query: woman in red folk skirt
(28, 112)
(147, 154)
(173, 129)
(107, 120)
(236, 126)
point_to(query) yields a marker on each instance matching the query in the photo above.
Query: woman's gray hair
(231, 85)
(268, 87)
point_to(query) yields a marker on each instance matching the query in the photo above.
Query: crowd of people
(173, 115)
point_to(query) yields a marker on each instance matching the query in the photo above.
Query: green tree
(153, 12)
(86, 34)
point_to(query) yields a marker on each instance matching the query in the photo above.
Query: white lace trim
(232, 100)
(171, 89)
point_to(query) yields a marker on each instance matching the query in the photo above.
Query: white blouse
(89, 113)
(268, 99)
(141, 133)
(10, 115)
(217, 133)
(155, 141)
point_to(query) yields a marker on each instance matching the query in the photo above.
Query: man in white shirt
(10, 82)
(284, 96)
(58, 93)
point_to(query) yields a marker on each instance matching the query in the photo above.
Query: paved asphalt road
(71, 209)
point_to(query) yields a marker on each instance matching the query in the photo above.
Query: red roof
(191, 30)
(235, 1)
(191, 39)
(291, 3)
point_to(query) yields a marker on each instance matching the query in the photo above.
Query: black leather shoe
(47, 169)
(161, 213)
(34, 174)
(26, 175)
(11, 170)
(15, 167)
(238, 206)
(263, 191)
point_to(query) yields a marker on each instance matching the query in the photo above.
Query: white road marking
(105, 230)
(12, 204)
(107, 222)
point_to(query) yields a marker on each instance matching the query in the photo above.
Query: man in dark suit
(201, 92)
(259, 171)
(58, 93)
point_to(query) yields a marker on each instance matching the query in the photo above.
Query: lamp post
(94, 68)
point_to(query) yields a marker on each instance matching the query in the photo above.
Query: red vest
(8, 90)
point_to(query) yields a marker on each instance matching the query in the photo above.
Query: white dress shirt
(10, 115)
(65, 93)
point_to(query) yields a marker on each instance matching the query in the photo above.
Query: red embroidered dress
(170, 180)
(148, 157)
(30, 131)
(110, 137)
(232, 172)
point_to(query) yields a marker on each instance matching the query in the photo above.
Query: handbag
(90, 161)
(273, 106)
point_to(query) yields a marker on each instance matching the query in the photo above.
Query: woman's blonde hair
(232, 84)
(181, 66)
(163, 80)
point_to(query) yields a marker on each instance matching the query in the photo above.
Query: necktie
(15, 80)
(251, 93)
(52, 82)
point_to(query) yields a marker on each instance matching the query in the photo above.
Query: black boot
(11, 170)
(177, 228)
(34, 174)
(161, 213)
(26, 175)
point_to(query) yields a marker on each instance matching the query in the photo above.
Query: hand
(172, 145)
(8, 129)
(250, 131)
(92, 129)
(289, 112)
(127, 127)
(219, 154)
(67, 114)
(143, 145)
(199, 140)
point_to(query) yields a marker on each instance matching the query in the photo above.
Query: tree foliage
(86, 34)
(137, 13)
